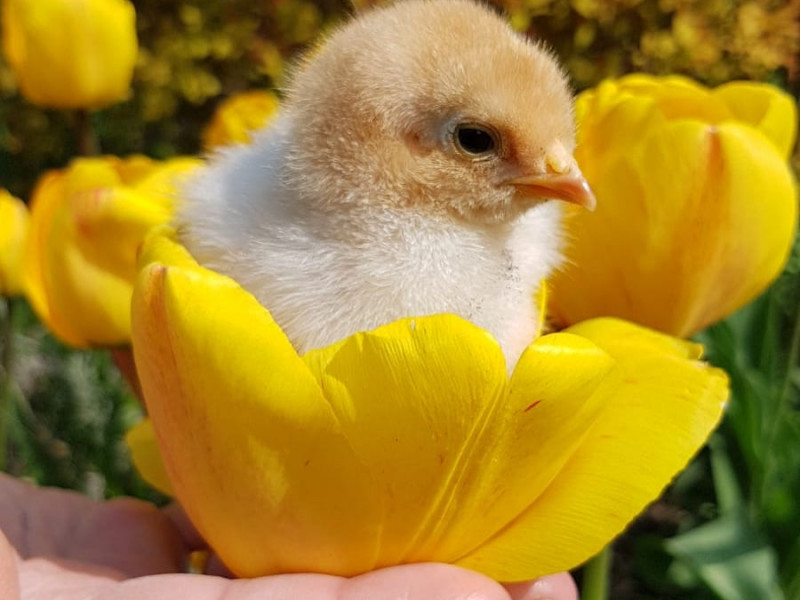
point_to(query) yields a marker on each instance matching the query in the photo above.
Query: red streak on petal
(533, 405)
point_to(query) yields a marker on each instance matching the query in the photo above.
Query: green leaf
(729, 556)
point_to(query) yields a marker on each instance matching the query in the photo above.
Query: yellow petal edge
(408, 443)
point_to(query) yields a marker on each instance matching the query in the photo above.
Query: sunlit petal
(71, 53)
(141, 439)
(236, 119)
(415, 399)
(87, 224)
(251, 446)
(14, 226)
(656, 413)
(765, 107)
(408, 443)
(696, 210)
(550, 407)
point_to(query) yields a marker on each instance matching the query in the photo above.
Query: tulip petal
(413, 397)
(604, 114)
(87, 239)
(161, 249)
(14, 227)
(238, 117)
(162, 180)
(87, 224)
(143, 445)
(678, 97)
(765, 107)
(107, 323)
(631, 338)
(455, 452)
(71, 54)
(550, 407)
(698, 221)
(657, 413)
(47, 195)
(757, 242)
(108, 224)
(250, 470)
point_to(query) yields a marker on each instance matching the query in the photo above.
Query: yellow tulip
(238, 117)
(71, 53)
(696, 204)
(87, 222)
(14, 223)
(408, 443)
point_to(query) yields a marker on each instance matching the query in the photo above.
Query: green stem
(597, 575)
(87, 140)
(791, 363)
(6, 359)
(784, 395)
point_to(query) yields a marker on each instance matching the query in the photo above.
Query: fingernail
(541, 590)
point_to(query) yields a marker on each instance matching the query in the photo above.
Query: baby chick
(410, 172)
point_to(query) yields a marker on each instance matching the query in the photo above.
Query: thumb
(9, 574)
(422, 582)
(552, 587)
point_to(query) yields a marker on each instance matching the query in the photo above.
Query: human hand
(59, 545)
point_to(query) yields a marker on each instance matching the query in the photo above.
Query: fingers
(553, 587)
(90, 548)
(126, 535)
(192, 539)
(9, 580)
(45, 580)
(422, 582)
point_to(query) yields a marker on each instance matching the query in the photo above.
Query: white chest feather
(326, 276)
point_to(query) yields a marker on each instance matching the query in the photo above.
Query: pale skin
(59, 545)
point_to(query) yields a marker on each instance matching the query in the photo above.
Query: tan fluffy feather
(360, 205)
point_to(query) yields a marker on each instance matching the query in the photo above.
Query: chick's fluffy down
(360, 205)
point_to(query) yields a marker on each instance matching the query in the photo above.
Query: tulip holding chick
(408, 443)
(316, 411)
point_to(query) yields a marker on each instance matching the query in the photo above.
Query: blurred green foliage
(732, 519)
(736, 515)
(67, 413)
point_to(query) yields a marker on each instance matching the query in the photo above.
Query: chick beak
(570, 186)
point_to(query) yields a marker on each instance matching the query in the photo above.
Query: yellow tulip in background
(696, 204)
(238, 117)
(410, 442)
(14, 223)
(71, 53)
(87, 222)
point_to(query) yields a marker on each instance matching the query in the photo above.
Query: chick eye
(474, 140)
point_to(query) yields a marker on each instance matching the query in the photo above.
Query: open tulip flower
(696, 204)
(87, 223)
(71, 53)
(14, 223)
(238, 117)
(411, 442)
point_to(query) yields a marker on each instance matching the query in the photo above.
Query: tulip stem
(784, 404)
(87, 140)
(596, 575)
(6, 359)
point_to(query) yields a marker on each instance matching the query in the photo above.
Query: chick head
(435, 104)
